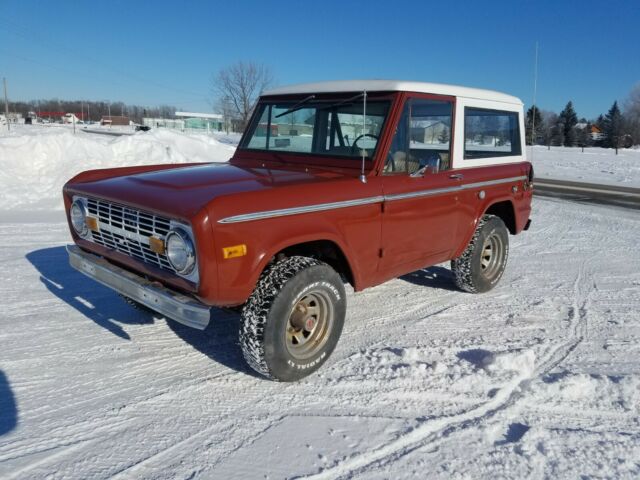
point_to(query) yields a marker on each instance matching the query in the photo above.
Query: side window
(490, 133)
(422, 139)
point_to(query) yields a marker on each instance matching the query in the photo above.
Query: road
(618, 196)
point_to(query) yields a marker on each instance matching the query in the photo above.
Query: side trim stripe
(247, 217)
(296, 210)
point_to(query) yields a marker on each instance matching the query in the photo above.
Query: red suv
(351, 181)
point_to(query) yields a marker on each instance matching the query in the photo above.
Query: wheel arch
(502, 208)
(322, 247)
(328, 251)
(506, 211)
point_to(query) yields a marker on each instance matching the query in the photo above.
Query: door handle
(456, 176)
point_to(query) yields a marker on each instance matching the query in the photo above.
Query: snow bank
(35, 162)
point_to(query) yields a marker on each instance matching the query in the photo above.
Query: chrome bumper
(171, 304)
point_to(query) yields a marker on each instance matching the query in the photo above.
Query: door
(420, 212)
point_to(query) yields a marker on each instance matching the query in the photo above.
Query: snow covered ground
(594, 165)
(539, 378)
(36, 161)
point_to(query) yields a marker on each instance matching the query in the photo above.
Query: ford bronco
(348, 181)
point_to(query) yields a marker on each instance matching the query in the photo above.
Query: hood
(182, 191)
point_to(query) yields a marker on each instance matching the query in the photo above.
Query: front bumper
(169, 303)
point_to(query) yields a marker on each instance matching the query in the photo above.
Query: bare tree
(239, 86)
(224, 106)
(549, 120)
(632, 113)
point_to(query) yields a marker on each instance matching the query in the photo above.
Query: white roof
(393, 85)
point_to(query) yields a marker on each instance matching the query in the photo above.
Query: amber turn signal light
(92, 223)
(156, 245)
(234, 251)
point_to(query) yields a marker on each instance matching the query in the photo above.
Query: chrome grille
(127, 230)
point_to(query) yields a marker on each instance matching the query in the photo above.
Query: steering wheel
(355, 141)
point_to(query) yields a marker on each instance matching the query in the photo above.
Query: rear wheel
(483, 262)
(293, 320)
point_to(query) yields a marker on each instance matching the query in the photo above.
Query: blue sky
(166, 52)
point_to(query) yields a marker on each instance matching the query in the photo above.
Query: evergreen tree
(444, 135)
(557, 134)
(612, 127)
(534, 120)
(568, 118)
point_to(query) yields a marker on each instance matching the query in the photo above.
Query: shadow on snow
(433, 277)
(104, 307)
(8, 408)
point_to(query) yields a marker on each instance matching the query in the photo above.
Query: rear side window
(490, 133)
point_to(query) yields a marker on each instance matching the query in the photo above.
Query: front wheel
(482, 264)
(293, 320)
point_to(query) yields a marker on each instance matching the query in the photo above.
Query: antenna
(535, 106)
(363, 178)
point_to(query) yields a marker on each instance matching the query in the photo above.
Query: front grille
(127, 230)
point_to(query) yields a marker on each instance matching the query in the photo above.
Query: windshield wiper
(348, 100)
(296, 107)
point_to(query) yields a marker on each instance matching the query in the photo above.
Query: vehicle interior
(422, 140)
(333, 128)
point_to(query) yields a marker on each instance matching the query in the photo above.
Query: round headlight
(180, 251)
(78, 216)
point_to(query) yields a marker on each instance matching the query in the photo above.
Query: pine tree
(534, 120)
(612, 127)
(569, 119)
(557, 134)
(444, 135)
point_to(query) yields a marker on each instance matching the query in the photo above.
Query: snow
(537, 378)
(595, 165)
(36, 161)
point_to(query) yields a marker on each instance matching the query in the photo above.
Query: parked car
(364, 182)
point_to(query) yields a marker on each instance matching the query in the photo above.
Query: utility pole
(6, 103)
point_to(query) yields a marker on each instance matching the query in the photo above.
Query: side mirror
(430, 165)
(433, 164)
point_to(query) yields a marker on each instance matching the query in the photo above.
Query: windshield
(309, 126)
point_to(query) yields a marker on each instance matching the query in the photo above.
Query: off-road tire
(470, 272)
(267, 316)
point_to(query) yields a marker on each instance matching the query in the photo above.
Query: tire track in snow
(60, 451)
(504, 398)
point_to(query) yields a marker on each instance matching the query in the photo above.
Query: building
(202, 121)
(163, 123)
(13, 118)
(70, 118)
(594, 131)
(115, 120)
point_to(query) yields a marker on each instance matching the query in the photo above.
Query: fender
(264, 239)
(468, 234)
(312, 237)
